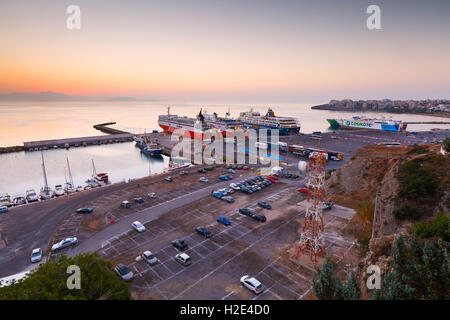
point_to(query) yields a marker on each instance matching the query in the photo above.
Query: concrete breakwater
(114, 136)
(76, 142)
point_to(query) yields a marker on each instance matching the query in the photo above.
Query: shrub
(446, 144)
(417, 181)
(438, 227)
(405, 211)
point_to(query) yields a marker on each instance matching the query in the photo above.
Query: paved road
(32, 226)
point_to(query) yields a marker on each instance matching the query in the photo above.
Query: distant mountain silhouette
(56, 96)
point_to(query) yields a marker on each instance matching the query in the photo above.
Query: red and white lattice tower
(311, 241)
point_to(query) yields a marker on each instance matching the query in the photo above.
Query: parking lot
(245, 247)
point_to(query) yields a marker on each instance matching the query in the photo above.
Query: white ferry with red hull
(195, 127)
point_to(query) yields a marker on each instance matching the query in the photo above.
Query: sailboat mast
(44, 172)
(70, 172)
(94, 172)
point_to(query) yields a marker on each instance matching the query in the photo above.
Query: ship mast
(94, 172)
(70, 172)
(44, 172)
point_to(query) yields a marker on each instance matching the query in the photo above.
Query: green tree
(49, 281)
(351, 289)
(327, 286)
(446, 144)
(420, 272)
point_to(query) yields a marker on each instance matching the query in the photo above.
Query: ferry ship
(195, 127)
(285, 125)
(367, 123)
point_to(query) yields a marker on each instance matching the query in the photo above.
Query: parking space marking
(240, 253)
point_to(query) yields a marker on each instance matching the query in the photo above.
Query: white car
(36, 255)
(64, 243)
(139, 227)
(183, 258)
(234, 186)
(252, 284)
(149, 258)
(153, 195)
(123, 272)
(204, 179)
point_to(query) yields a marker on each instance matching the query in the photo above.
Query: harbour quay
(77, 142)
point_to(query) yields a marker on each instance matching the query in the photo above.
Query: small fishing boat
(5, 200)
(31, 195)
(152, 150)
(59, 190)
(17, 201)
(100, 177)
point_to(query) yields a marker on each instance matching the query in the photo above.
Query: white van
(183, 258)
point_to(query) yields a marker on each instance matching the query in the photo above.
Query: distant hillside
(56, 96)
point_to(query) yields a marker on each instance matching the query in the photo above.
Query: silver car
(149, 258)
(64, 243)
(252, 284)
(123, 272)
(36, 255)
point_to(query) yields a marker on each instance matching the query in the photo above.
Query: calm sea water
(21, 122)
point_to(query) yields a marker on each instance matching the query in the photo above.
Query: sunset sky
(227, 50)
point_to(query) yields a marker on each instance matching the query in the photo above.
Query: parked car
(223, 220)
(209, 168)
(327, 205)
(153, 195)
(259, 217)
(139, 200)
(180, 244)
(123, 272)
(231, 171)
(228, 199)
(36, 255)
(169, 179)
(125, 204)
(245, 168)
(149, 258)
(234, 186)
(264, 205)
(139, 227)
(182, 173)
(229, 190)
(224, 177)
(183, 258)
(3, 209)
(252, 284)
(64, 243)
(204, 179)
(85, 210)
(202, 170)
(303, 190)
(239, 167)
(217, 194)
(204, 232)
(246, 211)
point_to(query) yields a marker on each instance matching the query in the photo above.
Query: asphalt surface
(33, 225)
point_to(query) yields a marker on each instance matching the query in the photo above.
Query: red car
(245, 168)
(303, 190)
(272, 177)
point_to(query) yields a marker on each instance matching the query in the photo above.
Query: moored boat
(31, 195)
(5, 200)
(358, 122)
(284, 125)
